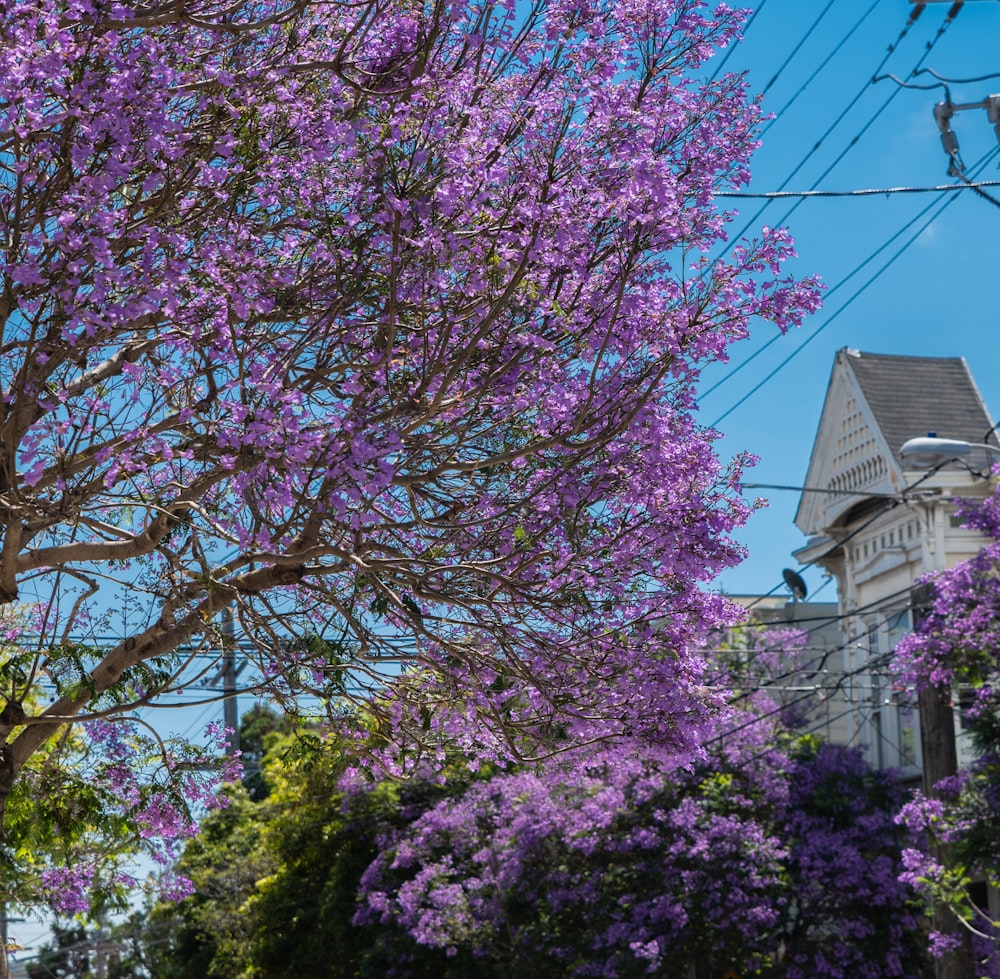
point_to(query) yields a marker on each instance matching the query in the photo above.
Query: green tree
(276, 877)
(207, 934)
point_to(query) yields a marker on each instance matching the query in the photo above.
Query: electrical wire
(897, 499)
(833, 289)
(881, 660)
(896, 747)
(894, 502)
(760, 210)
(841, 309)
(850, 642)
(805, 37)
(847, 149)
(736, 41)
(199, 722)
(836, 122)
(813, 668)
(879, 603)
(957, 81)
(826, 620)
(866, 192)
(952, 13)
(816, 71)
(820, 489)
(902, 84)
(976, 187)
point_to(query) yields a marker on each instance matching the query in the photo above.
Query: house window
(897, 624)
(908, 734)
(966, 700)
(873, 638)
(878, 741)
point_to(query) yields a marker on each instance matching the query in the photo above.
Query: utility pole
(229, 672)
(940, 760)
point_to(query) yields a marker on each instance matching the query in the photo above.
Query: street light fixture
(929, 451)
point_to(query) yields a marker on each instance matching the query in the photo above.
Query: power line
(825, 584)
(836, 122)
(881, 660)
(902, 84)
(816, 71)
(805, 37)
(841, 309)
(895, 501)
(952, 13)
(960, 173)
(827, 620)
(820, 489)
(878, 251)
(881, 602)
(849, 643)
(957, 81)
(830, 619)
(867, 192)
(864, 129)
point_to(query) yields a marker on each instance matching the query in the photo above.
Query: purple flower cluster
(616, 867)
(70, 888)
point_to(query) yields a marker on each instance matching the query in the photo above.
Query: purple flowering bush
(782, 864)
(771, 854)
(595, 876)
(850, 909)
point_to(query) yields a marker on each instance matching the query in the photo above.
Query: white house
(878, 524)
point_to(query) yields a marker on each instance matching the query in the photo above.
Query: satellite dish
(795, 583)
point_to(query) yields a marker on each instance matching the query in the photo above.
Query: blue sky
(938, 298)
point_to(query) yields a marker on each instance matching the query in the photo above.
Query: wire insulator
(950, 142)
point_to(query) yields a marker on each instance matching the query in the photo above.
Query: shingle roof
(912, 396)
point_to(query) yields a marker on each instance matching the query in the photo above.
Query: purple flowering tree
(375, 324)
(955, 651)
(769, 862)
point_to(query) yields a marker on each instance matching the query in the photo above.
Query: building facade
(877, 524)
(801, 682)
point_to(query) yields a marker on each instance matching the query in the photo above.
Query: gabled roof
(873, 404)
(912, 396)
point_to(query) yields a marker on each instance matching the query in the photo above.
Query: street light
(929, 451)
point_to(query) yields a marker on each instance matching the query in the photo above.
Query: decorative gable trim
(850, 454)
